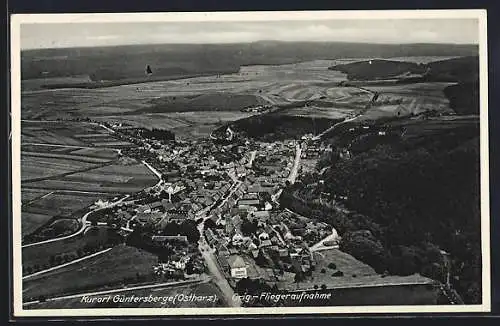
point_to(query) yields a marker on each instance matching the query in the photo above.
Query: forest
(407, 200)
(117, 63)
(275, 127)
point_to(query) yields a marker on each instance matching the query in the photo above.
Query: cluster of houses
(314, 150)
(257, 109)
(240, 253)
(175, 266)
(236, 184)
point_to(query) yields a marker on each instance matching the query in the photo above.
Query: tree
(190, 230)
(65, 258)
(172, 228)
(299, 277)
(209, 224)
(363, 246)
(248, 228)
(261, 260)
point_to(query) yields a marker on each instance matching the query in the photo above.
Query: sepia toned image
(246, 162)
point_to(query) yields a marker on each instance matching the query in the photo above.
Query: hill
(128, 63)
(408, 197)
(204, 102)
(277, 127)
(463, 69)
(451, 70)
(379, 69)
(463, 97)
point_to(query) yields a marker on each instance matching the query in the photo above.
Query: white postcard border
(18, 19)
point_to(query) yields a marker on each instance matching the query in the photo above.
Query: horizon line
(238, 43)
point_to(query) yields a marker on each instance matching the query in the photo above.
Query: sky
(58, 35)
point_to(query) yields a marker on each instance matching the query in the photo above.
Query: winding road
(296, 162)
(66, 264)
(208, 254)
(84, 226)
(320, 244)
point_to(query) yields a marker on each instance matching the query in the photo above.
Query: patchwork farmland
(66, 167)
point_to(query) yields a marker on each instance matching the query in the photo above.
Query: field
(360, 284)
(76, 134)
(32, 221)
(40, 254)
(51, 204)
(344, 262)
(67, 166)
(252, 85)
(111, 179)
(189, 125)
(422, 59)
(355, 273)
(175, 104)
(28, 195)
(109, 268)
(319, 112)
(39, 83)
(204, 102)
(408, 99)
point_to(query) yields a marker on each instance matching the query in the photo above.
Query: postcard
(235, 163)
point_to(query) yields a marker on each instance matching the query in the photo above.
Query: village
(223, 193)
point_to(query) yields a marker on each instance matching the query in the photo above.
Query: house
(166, 238)
(222, 250)
(237, 240)
(229, 228)
(155, 205)
(167, 205)
(211, 238)
(283, 252)
(144, 217)
(237, 221)
(265, 243)
(250, 196)
(261, 215)
(237, 266)
(263, 236)
(248, 202)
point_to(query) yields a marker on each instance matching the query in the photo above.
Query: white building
(237, 266)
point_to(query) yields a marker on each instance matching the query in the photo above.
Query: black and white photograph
(226, 163)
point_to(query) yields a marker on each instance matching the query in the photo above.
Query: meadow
(66, 167)
(98, 272)
(32, 221)
(408, 99)
(39, 255)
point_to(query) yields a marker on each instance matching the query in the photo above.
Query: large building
(238, 266)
